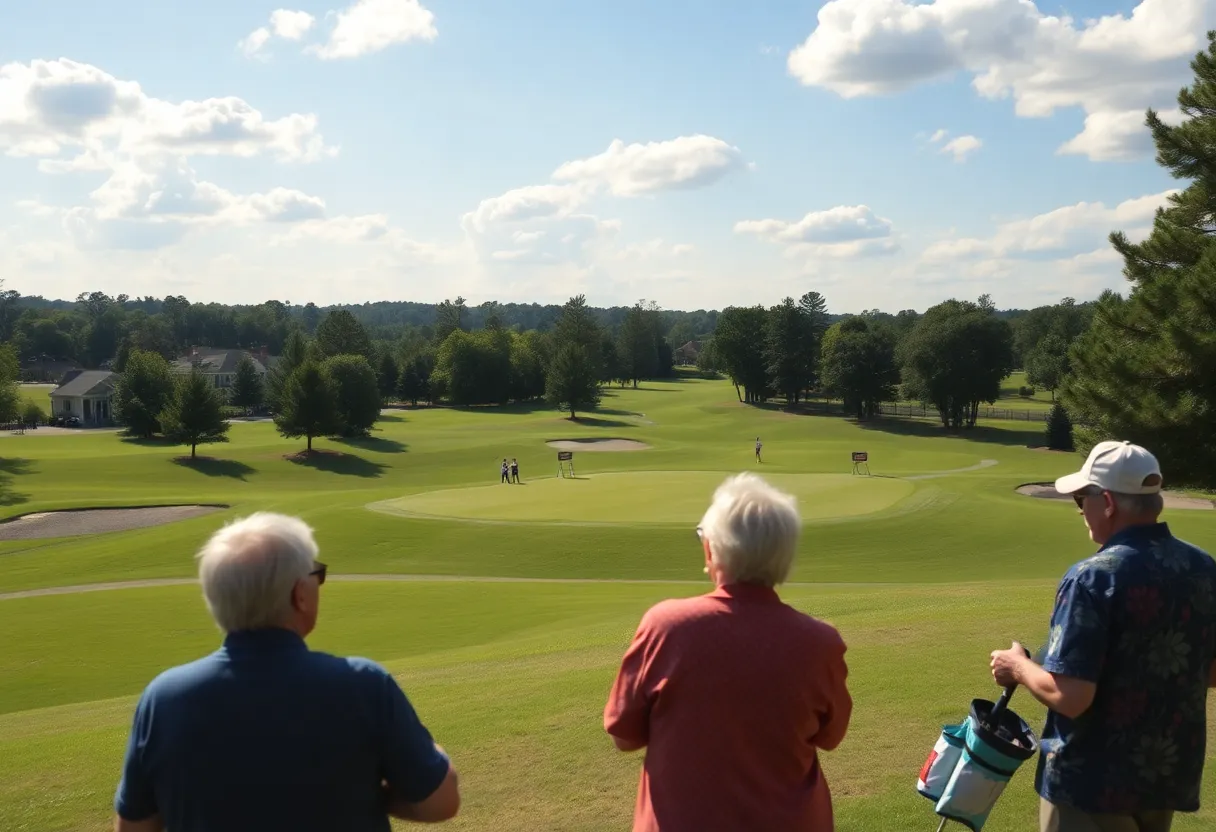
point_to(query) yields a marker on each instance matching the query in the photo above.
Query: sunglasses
(320, 572)
(1079, 497)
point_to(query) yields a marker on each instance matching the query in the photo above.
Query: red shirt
(732, 693)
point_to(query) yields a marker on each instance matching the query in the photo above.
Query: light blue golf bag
(972, 762)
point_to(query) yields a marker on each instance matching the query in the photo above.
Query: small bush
(32, 414)
(1026, 392)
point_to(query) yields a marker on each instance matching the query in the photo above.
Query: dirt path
(983, 463)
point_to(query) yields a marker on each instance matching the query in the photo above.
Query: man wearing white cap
(1128, 663)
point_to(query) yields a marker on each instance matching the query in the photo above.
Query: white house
(86, 394)
(220, 365)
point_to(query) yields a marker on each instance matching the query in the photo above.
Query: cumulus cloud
(48, 108)
(1112, 67)
(284, 23)
(369, 26)
(1063, 232)
(959, 146)
(636, 169)
(843, 231)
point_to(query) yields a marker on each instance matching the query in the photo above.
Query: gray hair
(753, 530)
(248, 569)
(1139, 505)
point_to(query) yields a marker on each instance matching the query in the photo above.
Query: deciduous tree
(143, 389)
(356, 393)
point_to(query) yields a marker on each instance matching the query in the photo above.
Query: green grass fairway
(675, 497)
(504, 611)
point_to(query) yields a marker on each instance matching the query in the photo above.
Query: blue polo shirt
(1139, 619)
(267, 734)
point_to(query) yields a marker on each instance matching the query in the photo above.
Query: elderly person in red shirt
(733, 693)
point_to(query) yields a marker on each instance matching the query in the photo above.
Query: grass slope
(512, 676)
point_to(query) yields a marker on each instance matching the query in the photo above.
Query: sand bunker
(597, 445)
(75, 522)
(1047, 491)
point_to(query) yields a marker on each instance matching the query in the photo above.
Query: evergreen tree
(143, 389)
(1145, 371)
(449, 317)
(573, 380)
(308, 404)
(1059, 429)
(387, 376)
(576, 326)
(340, 333)
(247, 390)
(739, 348)
(356, 391)
(789, 349)
(637, 350)
(296, 351)
(195, 414)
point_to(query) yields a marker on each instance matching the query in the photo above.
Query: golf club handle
(1003, 702)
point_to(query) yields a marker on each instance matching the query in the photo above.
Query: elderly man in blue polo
(1129, 659)
(265, 733)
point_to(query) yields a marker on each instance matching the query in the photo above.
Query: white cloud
(527, 203)
(51, 107)
(1112, 68)
(636, 169)
(284, 23)
(960, 146)
(938, 136)
(372, 25)
(843, 231)
(1063, 232)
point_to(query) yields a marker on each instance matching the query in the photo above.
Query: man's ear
(297, 595)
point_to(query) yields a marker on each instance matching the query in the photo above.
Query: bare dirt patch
(1047, 491)
(76, 522)
(597, 445)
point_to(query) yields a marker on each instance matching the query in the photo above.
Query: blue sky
(362, 150)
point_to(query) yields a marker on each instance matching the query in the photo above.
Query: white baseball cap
(1120, 467)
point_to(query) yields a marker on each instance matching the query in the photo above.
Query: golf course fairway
(503, 610)
(660, 497)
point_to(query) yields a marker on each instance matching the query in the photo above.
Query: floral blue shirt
(1139, 619)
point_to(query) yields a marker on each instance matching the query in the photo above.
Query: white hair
(248, 569)
(1139, 505)
(753, 530)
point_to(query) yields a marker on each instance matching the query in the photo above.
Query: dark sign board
(564, 456)
(861, 456)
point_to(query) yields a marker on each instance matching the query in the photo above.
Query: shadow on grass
(152, 442)
(390, 417)
(376, 444)
(1019, 437)
(336, 462)
(596, 422)
(13, 467)
(213, 467)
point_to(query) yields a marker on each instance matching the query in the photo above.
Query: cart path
(407, 578)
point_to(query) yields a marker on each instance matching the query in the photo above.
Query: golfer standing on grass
(1129, 660)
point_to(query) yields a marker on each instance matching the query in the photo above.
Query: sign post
(861, 460)
(568, 458)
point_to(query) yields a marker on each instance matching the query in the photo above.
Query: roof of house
(218, 361)
(691, 346)
(86, 383)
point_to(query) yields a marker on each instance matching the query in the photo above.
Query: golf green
(660, 497)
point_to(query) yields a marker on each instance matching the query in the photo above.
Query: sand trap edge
(1047, 491)
(75, 522)
(597, 445)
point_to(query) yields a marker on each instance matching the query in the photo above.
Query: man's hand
(1009, 666)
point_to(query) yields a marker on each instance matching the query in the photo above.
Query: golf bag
(972, 762)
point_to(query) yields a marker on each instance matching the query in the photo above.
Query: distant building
(220, 364)
(688, 353)
(86, 394)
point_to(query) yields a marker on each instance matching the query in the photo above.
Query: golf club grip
(1003, 702)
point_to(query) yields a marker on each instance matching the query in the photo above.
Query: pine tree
(1059, 429)
(387, 377)
(247, 388)
(1145, 371)
(308, 404)
(195, 414)
(573, 380)
(296, 350)
(340, 333)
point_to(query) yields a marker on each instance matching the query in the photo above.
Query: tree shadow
(9, 468)
(213, 467)
(376, 444)
(518, 408)
(596, 422)
(1019, 436)
(390, 417)
(153, 442)
(336, 462)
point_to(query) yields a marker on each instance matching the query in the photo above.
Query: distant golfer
(506, 471)
(1129, 661)
(759, 445)
(514, 470)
